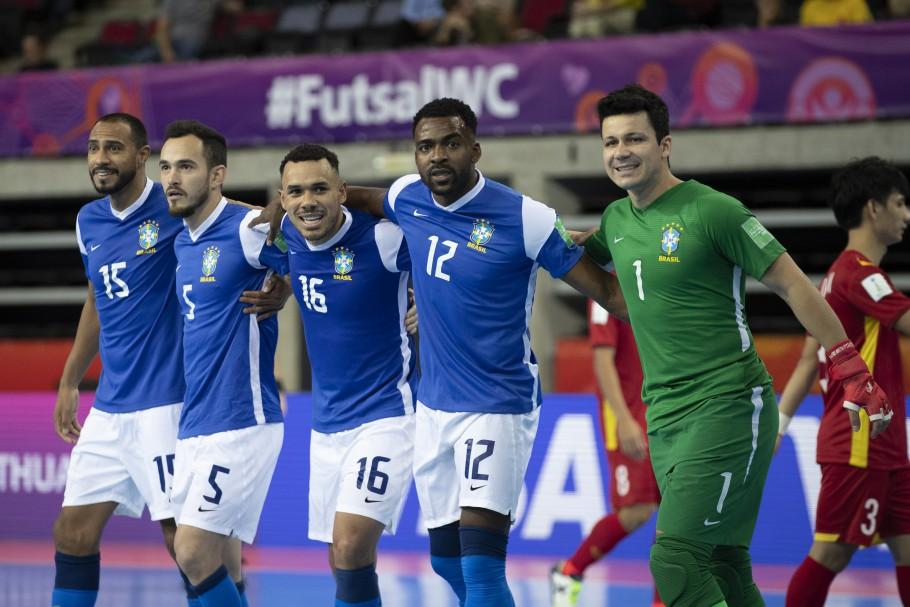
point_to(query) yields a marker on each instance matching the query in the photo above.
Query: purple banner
(707, 78)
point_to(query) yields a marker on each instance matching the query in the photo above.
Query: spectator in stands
(456, 27)
(34, 53)
(834, 12)
(419, 21)
(497, 21)
(594, 18)
(182, 29)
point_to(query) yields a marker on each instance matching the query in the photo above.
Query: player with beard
(231, 428)
(123, 457)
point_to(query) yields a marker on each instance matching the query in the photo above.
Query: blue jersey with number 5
(353, 296)
(229, 356)
(129, 259)
(475, 270)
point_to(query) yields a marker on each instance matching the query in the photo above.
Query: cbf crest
(481, 235)
(344, 263)
(148, 237)
(670, 235)
(209, 263)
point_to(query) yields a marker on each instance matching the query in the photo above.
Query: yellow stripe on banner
(611, 436)
(826, 537)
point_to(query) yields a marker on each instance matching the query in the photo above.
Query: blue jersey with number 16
(353, 296)
(475, 268)
(229, 356)
(129, 259)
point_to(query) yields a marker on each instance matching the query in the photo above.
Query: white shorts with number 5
(470, 460)
(365, 470)
(221, 479)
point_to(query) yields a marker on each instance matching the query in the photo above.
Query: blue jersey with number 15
(475, 268)
(129, 258)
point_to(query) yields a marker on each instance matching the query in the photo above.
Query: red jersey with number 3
(868, 305)
(606, 330)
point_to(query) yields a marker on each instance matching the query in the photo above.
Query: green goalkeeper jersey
(682, 264)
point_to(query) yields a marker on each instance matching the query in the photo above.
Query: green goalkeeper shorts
(711, 467)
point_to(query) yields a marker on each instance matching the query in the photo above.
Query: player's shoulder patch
(757, 232)
(877, 286)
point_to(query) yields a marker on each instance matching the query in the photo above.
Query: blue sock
(358, 587)
(76, 581)
(218, 590)
(241, 589)
(483, 563)
(445, 557)
(192, 599)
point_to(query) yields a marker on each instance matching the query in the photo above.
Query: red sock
(903, 583)
(809, 585)
(605, 535)
(656, 602)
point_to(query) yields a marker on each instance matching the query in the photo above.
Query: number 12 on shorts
(473, 459)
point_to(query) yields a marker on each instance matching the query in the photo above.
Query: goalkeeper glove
(845, 367)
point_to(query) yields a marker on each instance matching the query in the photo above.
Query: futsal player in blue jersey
(476, 246)
(231, 427)
(124, 453)
(363, 366)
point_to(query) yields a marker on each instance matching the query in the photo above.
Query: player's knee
(681, 572)
(731, 567)
(834, 556)
(633, 517)
(353, 551)
(196, 562)
(74, 537)
(169, 530)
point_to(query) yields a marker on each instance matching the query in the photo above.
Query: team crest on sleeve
(209, 263)
(148, 237)
(344, 263)
(670, 235)
(481, 235)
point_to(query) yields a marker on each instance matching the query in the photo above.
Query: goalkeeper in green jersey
(682, 251)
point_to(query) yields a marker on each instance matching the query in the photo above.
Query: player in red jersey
(865, 492)
(633, 490)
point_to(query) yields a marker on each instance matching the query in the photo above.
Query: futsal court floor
(142, 575)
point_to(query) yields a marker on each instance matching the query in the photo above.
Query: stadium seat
(118, 41)
(343, 21)
(297, 29)
(383, 26)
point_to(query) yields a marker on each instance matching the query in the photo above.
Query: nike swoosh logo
(369, 501)
(615, 240)
(418, 213)
(709, 523)
(95, 246)
(201, 509)
(473, 488)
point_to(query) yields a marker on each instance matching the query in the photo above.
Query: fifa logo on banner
(148, 237)
(481, 235)
(209, 263)
(344, 263)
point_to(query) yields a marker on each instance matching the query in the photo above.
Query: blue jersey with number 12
(475, 269)
(229, 356)
(353, 296)
(129, 258)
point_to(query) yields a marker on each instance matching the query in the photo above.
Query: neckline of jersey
(348, 220)
(201, 228)
(135, 205)
(466, 198)
(662, 198)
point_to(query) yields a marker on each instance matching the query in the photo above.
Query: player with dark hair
(865, 491)
(231, 426)
(363, 366)
(124, 454)
(634, 495)
(681, 252)
(476, 246)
